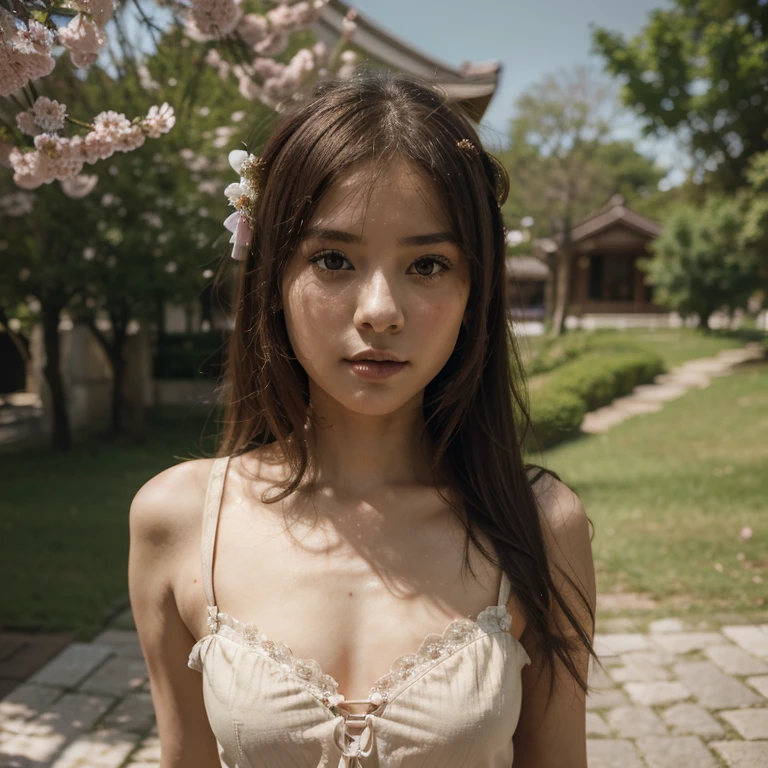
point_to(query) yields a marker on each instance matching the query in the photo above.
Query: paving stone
(100, 749)
(686, 719)
(630, 722)
(742, 754)
(134, 713)
(751, 639)
(760, 684)
(654, 658)
(62, 722)
(24, 653)
(122, 642)
(659, 392)
(73, 664)
(685, 642)
(596, 726)
(663, 626)
(736, 661)
(654, 693)
(149, 751)
(712, 687)
(750, 723)
(24, 703)
(621, 642)
(639, 671)
(117, 676)
(612, 753)
(676, 752)
(608, 697)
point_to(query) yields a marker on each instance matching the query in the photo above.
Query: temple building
(605, 277)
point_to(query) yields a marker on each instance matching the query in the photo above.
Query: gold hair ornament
(500, 177)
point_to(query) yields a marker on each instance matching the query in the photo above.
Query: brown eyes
(333, 262)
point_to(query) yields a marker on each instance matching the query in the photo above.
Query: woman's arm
(159, 514)
(557, 738)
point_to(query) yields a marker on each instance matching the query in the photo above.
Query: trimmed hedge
(589, 382)
(556, 352)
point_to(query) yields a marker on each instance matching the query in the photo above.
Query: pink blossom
(159, 120)
(25, 122)
(101, 11)
(253, 28)
(272, 45)
(267, 68)
(79, 186)
(321, 53)
(83, 38)
(51, 145)
(281, 19)
(49, 114)
(98, 146)
(249, 89)
(215, 18)
(31, 169)
(17, 204)
(348, 25)
(36, 38)
(13, 71)
(746, 533)
(26, 57)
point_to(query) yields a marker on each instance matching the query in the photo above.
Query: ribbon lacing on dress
(351, 753)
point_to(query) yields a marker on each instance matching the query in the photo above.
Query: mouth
(376, 369)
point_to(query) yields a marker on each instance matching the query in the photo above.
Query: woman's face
(388, 277)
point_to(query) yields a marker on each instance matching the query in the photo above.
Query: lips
(375, 356)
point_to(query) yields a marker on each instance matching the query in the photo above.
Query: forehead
(396, 193)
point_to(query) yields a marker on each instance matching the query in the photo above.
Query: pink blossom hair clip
(243, 197)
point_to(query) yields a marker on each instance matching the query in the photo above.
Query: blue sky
(530, 39)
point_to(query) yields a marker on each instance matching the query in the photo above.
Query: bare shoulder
(561, 509)
(170, 503)
(567, 539)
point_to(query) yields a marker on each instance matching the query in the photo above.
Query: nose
(378, 308)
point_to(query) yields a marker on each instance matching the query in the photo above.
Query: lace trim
(433, 649)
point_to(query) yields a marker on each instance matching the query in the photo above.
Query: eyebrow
(347, 237)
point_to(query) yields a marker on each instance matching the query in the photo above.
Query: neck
(357, 454)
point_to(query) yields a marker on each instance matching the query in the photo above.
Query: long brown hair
(475, 409)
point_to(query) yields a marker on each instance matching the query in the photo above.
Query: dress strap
(504, 589)
(210, 522)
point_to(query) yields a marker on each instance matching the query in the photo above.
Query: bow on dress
(350, 755)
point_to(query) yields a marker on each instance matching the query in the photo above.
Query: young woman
(374, 411)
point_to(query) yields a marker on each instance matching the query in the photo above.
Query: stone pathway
(669, 386)
(674, 697)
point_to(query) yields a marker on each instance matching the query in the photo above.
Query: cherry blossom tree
(137, 230)
(240, 42)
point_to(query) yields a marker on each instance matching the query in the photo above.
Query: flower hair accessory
(243, 196)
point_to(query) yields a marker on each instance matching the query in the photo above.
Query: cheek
(312, 316)
(439, 319)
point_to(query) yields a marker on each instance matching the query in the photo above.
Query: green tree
(699, 71)
(563, 163)
(701, 261)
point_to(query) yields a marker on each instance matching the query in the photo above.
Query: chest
(353, 591)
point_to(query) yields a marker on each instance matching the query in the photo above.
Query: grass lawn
(669, 493)
(65, 523)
